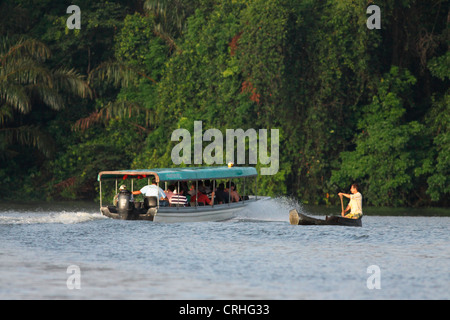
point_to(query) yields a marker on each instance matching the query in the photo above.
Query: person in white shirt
(153, 191)
(355, 204)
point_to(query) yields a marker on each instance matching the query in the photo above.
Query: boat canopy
(180, 174)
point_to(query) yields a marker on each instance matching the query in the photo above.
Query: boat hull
(198, 214)
(296, 218)
(219, 212)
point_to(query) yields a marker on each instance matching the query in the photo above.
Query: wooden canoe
(296, 218)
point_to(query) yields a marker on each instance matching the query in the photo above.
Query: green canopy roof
(175, 174)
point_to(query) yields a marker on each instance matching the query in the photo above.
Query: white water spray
(270, 209)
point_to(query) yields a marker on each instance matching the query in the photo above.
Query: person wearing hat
(122, 189)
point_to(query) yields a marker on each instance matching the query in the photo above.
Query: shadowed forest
(352, 104)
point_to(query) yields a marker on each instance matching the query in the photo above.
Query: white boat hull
(198, 214)
(219, 212)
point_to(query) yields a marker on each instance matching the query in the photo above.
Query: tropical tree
(25, 81)
(171, 17)
(135, 72)
(388, 149)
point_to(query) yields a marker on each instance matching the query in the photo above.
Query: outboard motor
(124, 203)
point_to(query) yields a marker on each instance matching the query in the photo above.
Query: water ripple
(258, 255)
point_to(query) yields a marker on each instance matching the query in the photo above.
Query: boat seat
(150, 202)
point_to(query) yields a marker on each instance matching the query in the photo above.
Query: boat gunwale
(298, 218)
(204, 208)
(218, 212)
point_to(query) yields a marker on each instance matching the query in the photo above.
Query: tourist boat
(155, 211)
(297, 218)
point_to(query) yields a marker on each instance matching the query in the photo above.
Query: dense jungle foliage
(351, 103)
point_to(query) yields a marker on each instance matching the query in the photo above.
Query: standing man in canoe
(355, 204)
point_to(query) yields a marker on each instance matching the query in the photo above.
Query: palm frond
(15, 96)
(69, 80)
(116, 109)
(49, 96)
(158, 7)
(25, 70)
(6, 113)
(118, 73)
(24, 77)
(171, 16)
(10, 49)
(29, 136)
(172, 13)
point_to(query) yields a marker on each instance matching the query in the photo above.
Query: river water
(72, 252)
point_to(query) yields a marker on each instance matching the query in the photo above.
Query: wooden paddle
(342, 204)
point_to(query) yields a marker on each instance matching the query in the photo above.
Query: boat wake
(266, 209)
(64, 217)
(269, 209)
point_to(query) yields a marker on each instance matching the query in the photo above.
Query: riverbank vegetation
(351, 103)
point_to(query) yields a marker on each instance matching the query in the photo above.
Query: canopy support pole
(229, 192)
(157, 197)
(100, 195)
(256, 187)
(178, 192)
(196, 193)
(243, 198)
(213, 192)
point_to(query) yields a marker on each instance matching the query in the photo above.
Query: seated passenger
(122, 190)
(234, 195)
(169, 193)
(191, 191)
(208, 188)
(221, 195)
(178, 199)
(202, 198)
(154, 190)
